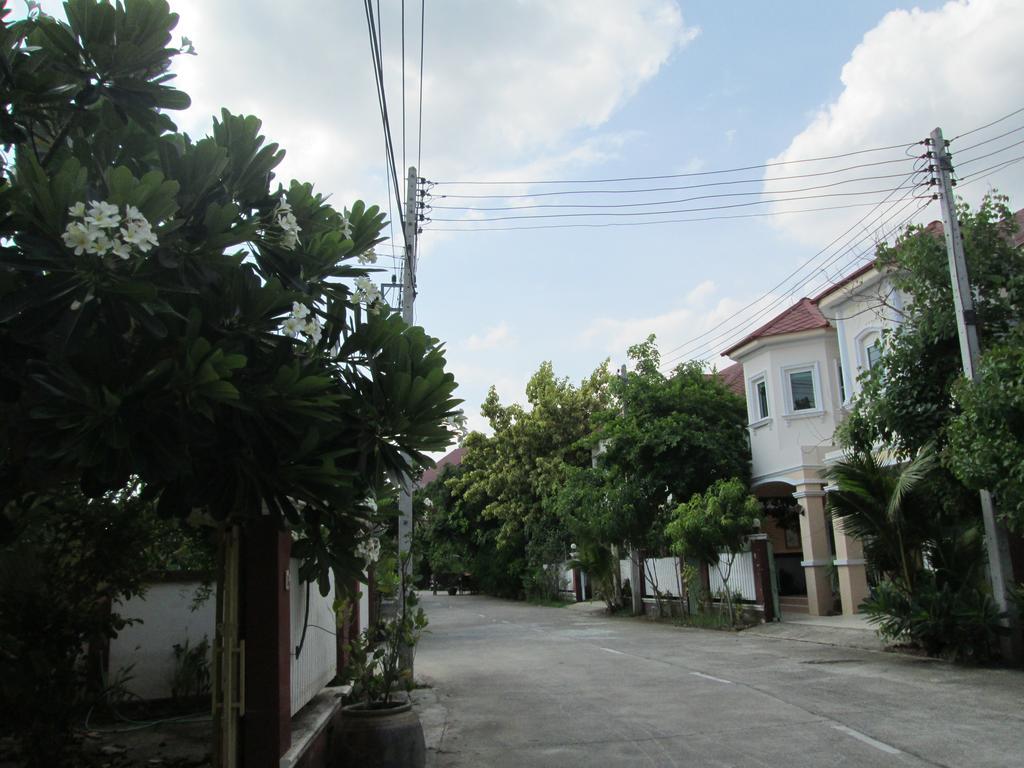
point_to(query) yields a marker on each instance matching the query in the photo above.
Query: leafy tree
(986, 448)
(170, 317)
(889, 508)
(672, 437)
(913, 397)
(510, 476)
(711, 522)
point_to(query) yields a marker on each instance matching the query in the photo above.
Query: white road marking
(505, 621)
(612, 650)
(712, 677)
(482, 615)
(880, 745)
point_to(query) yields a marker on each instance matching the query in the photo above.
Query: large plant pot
(380, 738)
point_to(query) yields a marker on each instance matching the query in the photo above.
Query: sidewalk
(839, 631)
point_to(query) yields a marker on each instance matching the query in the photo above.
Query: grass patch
(547, 602)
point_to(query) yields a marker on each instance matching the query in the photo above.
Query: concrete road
(518, 685)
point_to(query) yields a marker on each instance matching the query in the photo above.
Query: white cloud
(498, 335)
(699, 328)
(956, 67)
(507, 88)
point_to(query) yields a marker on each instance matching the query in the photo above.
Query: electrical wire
(962, 163)
(419, 137)
(987, 125)
(740, 330)
(378, 67)
(677, 188)
(667, 202)
(971, 178)
(671, 211)
(989, 141)
(801, 267)
(904, 145)
(763, 214)
(764, 314)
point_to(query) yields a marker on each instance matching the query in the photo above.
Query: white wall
(786, 441)
(861, 311)
(167, 619)
(664, 568)
(317, 663)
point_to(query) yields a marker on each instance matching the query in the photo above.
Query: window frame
(787, 389)
(756, 416)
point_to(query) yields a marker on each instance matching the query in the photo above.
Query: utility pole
(636, 565)
(996, 542)
(408, 297)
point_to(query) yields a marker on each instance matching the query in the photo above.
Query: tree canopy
(170, 315)
(918, 395)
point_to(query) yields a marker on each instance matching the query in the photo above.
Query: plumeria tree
(172, 317)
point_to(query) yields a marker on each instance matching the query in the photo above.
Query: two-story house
(799, 373)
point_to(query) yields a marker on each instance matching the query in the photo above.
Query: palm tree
(887, 507)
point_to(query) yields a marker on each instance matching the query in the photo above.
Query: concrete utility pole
(408, 297)
(996, 541)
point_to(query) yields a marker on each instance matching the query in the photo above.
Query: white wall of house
(145, 651)
(787, 439)
(860, 312)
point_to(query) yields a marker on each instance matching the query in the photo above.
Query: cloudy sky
(581, 90)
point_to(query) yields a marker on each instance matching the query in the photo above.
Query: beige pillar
(850, 563)
(816, 552)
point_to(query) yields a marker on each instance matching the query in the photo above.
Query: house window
(873, 353)
(802, 385)
(761, 387)
(842, 384)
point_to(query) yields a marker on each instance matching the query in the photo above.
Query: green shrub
(962, 623)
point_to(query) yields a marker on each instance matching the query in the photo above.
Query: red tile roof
(732, 377)
(802, 316)
(452, 459)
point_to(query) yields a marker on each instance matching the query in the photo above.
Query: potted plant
(379, 728)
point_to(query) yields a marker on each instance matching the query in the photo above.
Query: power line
(810, 260)
(971, 178)
(989, 141)
(666, 202)
(962, 163)
(378, 68)
(419, 137)
(671, 211)
(739, 331)
(676, 188)
(763, 214)
(404, 165)
(904, 145)
(742, 328)
(987, 125)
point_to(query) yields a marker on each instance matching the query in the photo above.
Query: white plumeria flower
(77, 210)
(369, 550)
(288, 224)
(313, 330)
(293, 326)
(103, 215)
(370, 502)
(368, 257)
(428, 503)
(346, 225)
(79, 237)
(366, 291)
(120, 249)
(139, 234)
(133, 214)
(299, 310)
(100, 244)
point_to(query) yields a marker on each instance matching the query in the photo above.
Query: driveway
(519, 685)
